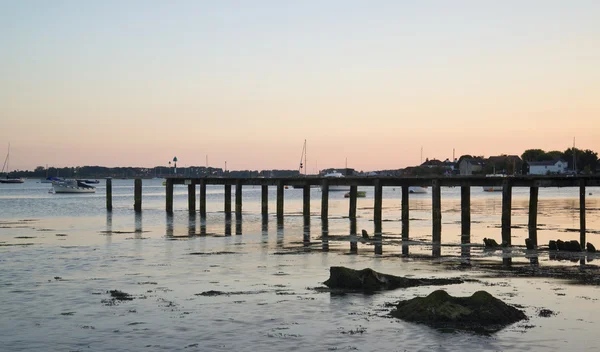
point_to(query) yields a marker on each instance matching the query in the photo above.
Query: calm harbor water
(61, 254)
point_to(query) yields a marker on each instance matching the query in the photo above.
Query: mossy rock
(368, 280)
(481, 312)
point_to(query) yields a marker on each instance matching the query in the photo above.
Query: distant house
(468, 166)
(432, 163)
(548, 167)
(505, 164)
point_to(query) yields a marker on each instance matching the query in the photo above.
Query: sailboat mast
(305, 163)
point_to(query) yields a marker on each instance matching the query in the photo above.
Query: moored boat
(359, 194)
(417, 189)
(337, 188)
(72, 186)
(493, 188)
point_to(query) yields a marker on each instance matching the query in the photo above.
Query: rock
(490, 243)
(365, 235)
(368, 280)
(529, 243)
(481, 312)
(572, 246)
(552, 245)
(590, 248)
(560, 245)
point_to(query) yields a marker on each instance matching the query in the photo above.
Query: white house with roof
(548, 167)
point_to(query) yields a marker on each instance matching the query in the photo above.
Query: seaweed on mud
(116, 297)
(546, 313)
(213, 293)
(213, 253)
(25, 237)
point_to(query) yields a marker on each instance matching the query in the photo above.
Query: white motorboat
(493, 188)
(72, 186)
(417, 189)
(337, 188)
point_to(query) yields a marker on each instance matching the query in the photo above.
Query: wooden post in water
(238, 199)
(353, 236)
(506, 212)
(465, 214)
(169, 196)
(228, 200)
(109, 194)
(137, 195)
(191, 198)
(306, 202)
(582, 214)
(533, 205)
(436, 211)
(353, 195)
(378, 203)
(264, 191)
(280, 190)
(405, 217)
(324, 199)
(203, 198)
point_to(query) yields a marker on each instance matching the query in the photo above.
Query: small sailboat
(9, 179)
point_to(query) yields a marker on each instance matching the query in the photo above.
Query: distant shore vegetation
(579, 161)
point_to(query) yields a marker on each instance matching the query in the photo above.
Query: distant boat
(90, 181)
(336, 188)
(359, 194)
(9, 179)
(493, 188)
(417, 189)
(72, 186)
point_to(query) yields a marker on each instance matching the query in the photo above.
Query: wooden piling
(280, 190)
(582, 239)
(378, 203)
(203, 198)
(169, 196)
(109, 194)
(353, 195)
(324, 199)
(238, 198)
(137, 195)
(353, 236)
(436, 212)
(306, 202)
(405, 217)
(192, 198)
(533, 207)
(264, 190)
(465, 214)
(228, 200)
(506, 212)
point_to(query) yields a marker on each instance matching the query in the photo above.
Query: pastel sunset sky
(135, 83)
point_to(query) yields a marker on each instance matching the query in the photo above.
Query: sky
(366, 84)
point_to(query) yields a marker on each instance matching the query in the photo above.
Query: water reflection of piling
(353, 237)
(138, 225)
(306, 236)
(169, 225)
(227, 224)
(325, 235)
(192, 225)
(506, 257)
(203, 225)
(465, 254)
(238, 225)
(279, 239)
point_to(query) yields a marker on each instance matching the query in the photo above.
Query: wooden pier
(435, 183)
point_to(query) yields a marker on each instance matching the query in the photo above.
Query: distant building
(548, 167)
(468, 166)
(504, 164)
